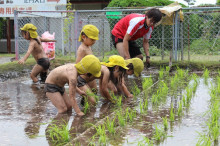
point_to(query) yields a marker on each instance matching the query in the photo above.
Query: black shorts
(53, 88)
(80, 81)
(134, 49)
(44, 62)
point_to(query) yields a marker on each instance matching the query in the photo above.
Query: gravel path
(5, 59)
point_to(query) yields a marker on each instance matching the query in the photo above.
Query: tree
(138, 3)
(218, 2)
(190, 2)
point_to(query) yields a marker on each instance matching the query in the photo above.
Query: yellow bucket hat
(91, 31)
(138, 65)
(115, 60)
(31, 29)
(89, 64)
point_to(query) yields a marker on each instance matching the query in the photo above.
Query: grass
(130, 114)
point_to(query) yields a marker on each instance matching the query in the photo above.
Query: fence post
(16, 34)
(162, 42)
(76, 28)
(181, 29)
(62, 41)
(175, 35)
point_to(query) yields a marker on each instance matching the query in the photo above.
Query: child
(35, 48)
(135, 66)
(88, 36)
(111, 78)
(54, 85)
(112, 74)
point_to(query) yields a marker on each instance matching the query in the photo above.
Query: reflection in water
(37, 112)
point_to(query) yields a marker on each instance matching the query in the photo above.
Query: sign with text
(7, 7)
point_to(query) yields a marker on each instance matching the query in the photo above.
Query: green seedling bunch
(180, 73)
(184, 101)
(165, 123)
(119, 101)
(167, 70)
(147, 82)
(86, 105)
(174, 81)
(59, 135)
(188, 95)
(130, 114)
(194, 77)
(213, 122)
(204, 140)
(180, 109)
(172, 116)
(161, 73)
(92, 94)
(135, 90)
(155, 99)
(159, 134)
(121, 118)
(101, 134)
(206, 75)
(110, 126)
(145, 141)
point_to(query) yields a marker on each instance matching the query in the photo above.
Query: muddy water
(25, 115)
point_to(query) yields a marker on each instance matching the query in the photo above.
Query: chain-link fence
(197, 36)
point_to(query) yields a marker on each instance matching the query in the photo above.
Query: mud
(26, 113)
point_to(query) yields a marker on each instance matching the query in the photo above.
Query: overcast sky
(198, 2)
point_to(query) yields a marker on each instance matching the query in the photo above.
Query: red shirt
(133, 24)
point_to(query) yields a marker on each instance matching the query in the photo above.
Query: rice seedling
(188, 95)
(161, 73)
(135, 90)
(154, 99)
(145, 141)
(110, 126)
(130, 114)
(180, 73)
(163, 89)
(171, 113)
(184, 101)
(159, 134)
(173, 82)
(180, 109)
(204, 140)
(141, 106)
(59, 134)
(86, 105)
(119, 101)
(165, 123)
(147, 82)
(121, 118)
(100, 132)
(206, 75)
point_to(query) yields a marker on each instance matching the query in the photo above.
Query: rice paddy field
(168, 109)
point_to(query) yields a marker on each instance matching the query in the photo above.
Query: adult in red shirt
(132, 27)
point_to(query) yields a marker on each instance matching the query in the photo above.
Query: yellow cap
(89, 64)
(31, 29)
(91, 31)
(137, 64)
(115, 60)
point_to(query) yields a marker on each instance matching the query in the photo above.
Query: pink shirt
(133, 24)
